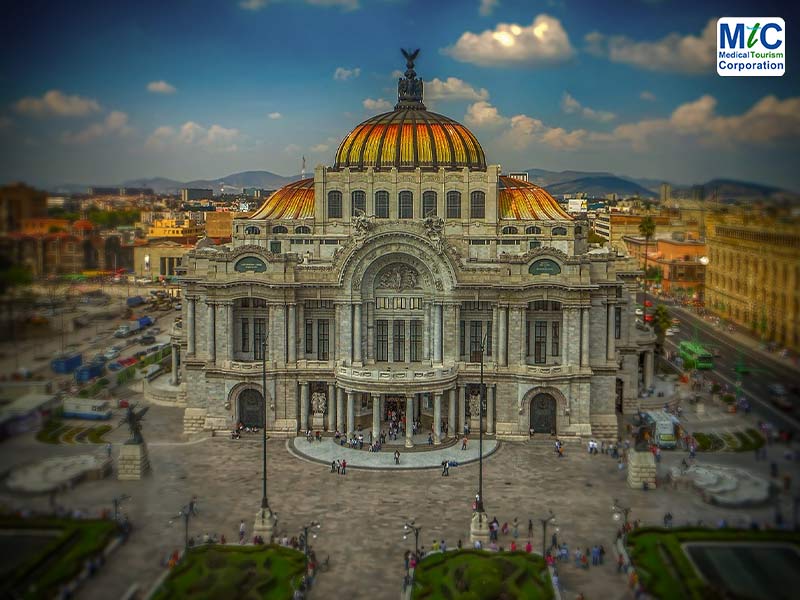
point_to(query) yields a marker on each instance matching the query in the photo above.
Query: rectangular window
(555, 338)
(245, 335)
(382, 205)
(428, 204)
(416, 340)
(453, 205)
(527, 338)
(259, 337)
(462, 338)
(405, 205)
(381, 340)
(617, 322)
(477, 205)
(399, 341)
(488, 338)
(359, 202)
(475, 339)
(335, 205)
(309, 336)
(540, 342)
(275, 247)
(322, 339)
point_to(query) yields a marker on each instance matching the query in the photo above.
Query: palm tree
(661, 322)
(646, 228)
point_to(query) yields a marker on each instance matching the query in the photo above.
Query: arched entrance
(543, 413)
(251, 408)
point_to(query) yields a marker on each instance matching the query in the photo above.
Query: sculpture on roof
(409, 88)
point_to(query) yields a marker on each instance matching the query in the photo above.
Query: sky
(102, 92)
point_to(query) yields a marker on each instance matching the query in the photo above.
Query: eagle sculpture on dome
(411, 56)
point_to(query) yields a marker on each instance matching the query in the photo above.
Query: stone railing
(554, 371)
(246, 367)
(401, 378)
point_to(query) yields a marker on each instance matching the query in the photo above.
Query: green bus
(695, 356)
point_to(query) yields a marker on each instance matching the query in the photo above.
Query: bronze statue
(134, 421)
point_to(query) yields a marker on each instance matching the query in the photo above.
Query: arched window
(477, 205)
(453, 205)
(382, 204)
(533, 230)
(359, 201)
(509, 230)
(334, 205)
(252, 230)
(302, 229)
(279, 229)
(559, 231)
(428, 204)
(405, 209)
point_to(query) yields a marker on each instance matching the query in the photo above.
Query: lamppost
(409, 527)
(117, 500)
(265, 520)
(479, 529)
(186, 513)
(551, 518)
(620, 509)
(312, 525)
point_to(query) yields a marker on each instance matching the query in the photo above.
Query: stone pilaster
(341, 413)
(451, 413)
(502, 336)
(351, 412)
(357, 333)
(212, 332)
(190, 332)
(409, 420)
(376, 416)
(437, 333)
(305, 395)
(585, 336)
(331, 406)
(426, 331)
(437, 418)
(291, 334)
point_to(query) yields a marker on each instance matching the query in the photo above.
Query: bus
(695, 356)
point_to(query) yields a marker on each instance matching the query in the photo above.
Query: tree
(661, 322)
(647, 228)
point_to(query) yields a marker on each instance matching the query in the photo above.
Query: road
(764, 370)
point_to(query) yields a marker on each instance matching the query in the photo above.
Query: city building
(681, 264)
(666, 193)
(18, 202)
(614, 226)
(179, 229)
(159, 259)
(753, 274)
(189, 194)
(219, 225)
(373, 286)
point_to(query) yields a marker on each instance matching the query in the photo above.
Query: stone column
(212, 332)
(426, 331)
(291, 335)
(331, 406)
(340, 411)
(344, 315)
(456, 347)
(230, 328)
(301, 331)
(568, 336)
(304, 399)
(376, 416)
(610, 347)
(351, 412)
(190, 332)
(516, 336)
(356, 332)
(585, 337)
(649, 366)
(490, 392)
(409, 419)
(437, 418)
(277, 318)
(437, 333)
(502, 336)
(462, 408)
(451, 413)
(174, 376)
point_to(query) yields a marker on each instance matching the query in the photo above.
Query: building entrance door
(251, 408)
(543, 413)
(393, 405)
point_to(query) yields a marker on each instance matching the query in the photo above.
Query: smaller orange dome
(292, 201)
(523, 200)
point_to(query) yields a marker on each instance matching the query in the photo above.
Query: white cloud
(484, 115)
(275, 115)
(675, 52)
(116, 122)
(570, 105)
(343, 73)
(256, 5)
(292, 150)
(487, 6)
(160, 87)
(768, 120)
(214, 139)
(56, 103)
(319, 148)
(377, 105)
(542, 42)
(453, 88)
(526, 131)
(647, 95)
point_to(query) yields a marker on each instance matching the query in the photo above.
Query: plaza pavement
(363, 512)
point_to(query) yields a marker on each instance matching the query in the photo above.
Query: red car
(648, 303)
(648, 318)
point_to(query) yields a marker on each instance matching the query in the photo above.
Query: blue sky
(100, 92)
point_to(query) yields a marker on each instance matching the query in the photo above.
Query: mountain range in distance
(558, 183)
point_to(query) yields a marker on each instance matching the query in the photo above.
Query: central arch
(250, 407)
(543, 413)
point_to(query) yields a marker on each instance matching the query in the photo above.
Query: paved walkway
(328, 450)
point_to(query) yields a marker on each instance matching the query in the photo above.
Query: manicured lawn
(477, 575)
(55, 432)
(211, 572)
(58, 560)
(667, 573)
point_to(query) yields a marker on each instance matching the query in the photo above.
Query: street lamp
(117, 500)
(314, 526)
(478, 530)
(186, 513)
(620, 509)
(551, 518)
(265, 520)
(407, 529)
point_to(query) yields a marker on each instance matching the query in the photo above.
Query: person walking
(241, 532)
(344, 467)
(464, 443)
(397, 457)
(333, 466)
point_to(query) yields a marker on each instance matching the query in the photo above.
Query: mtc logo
(733, 36)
